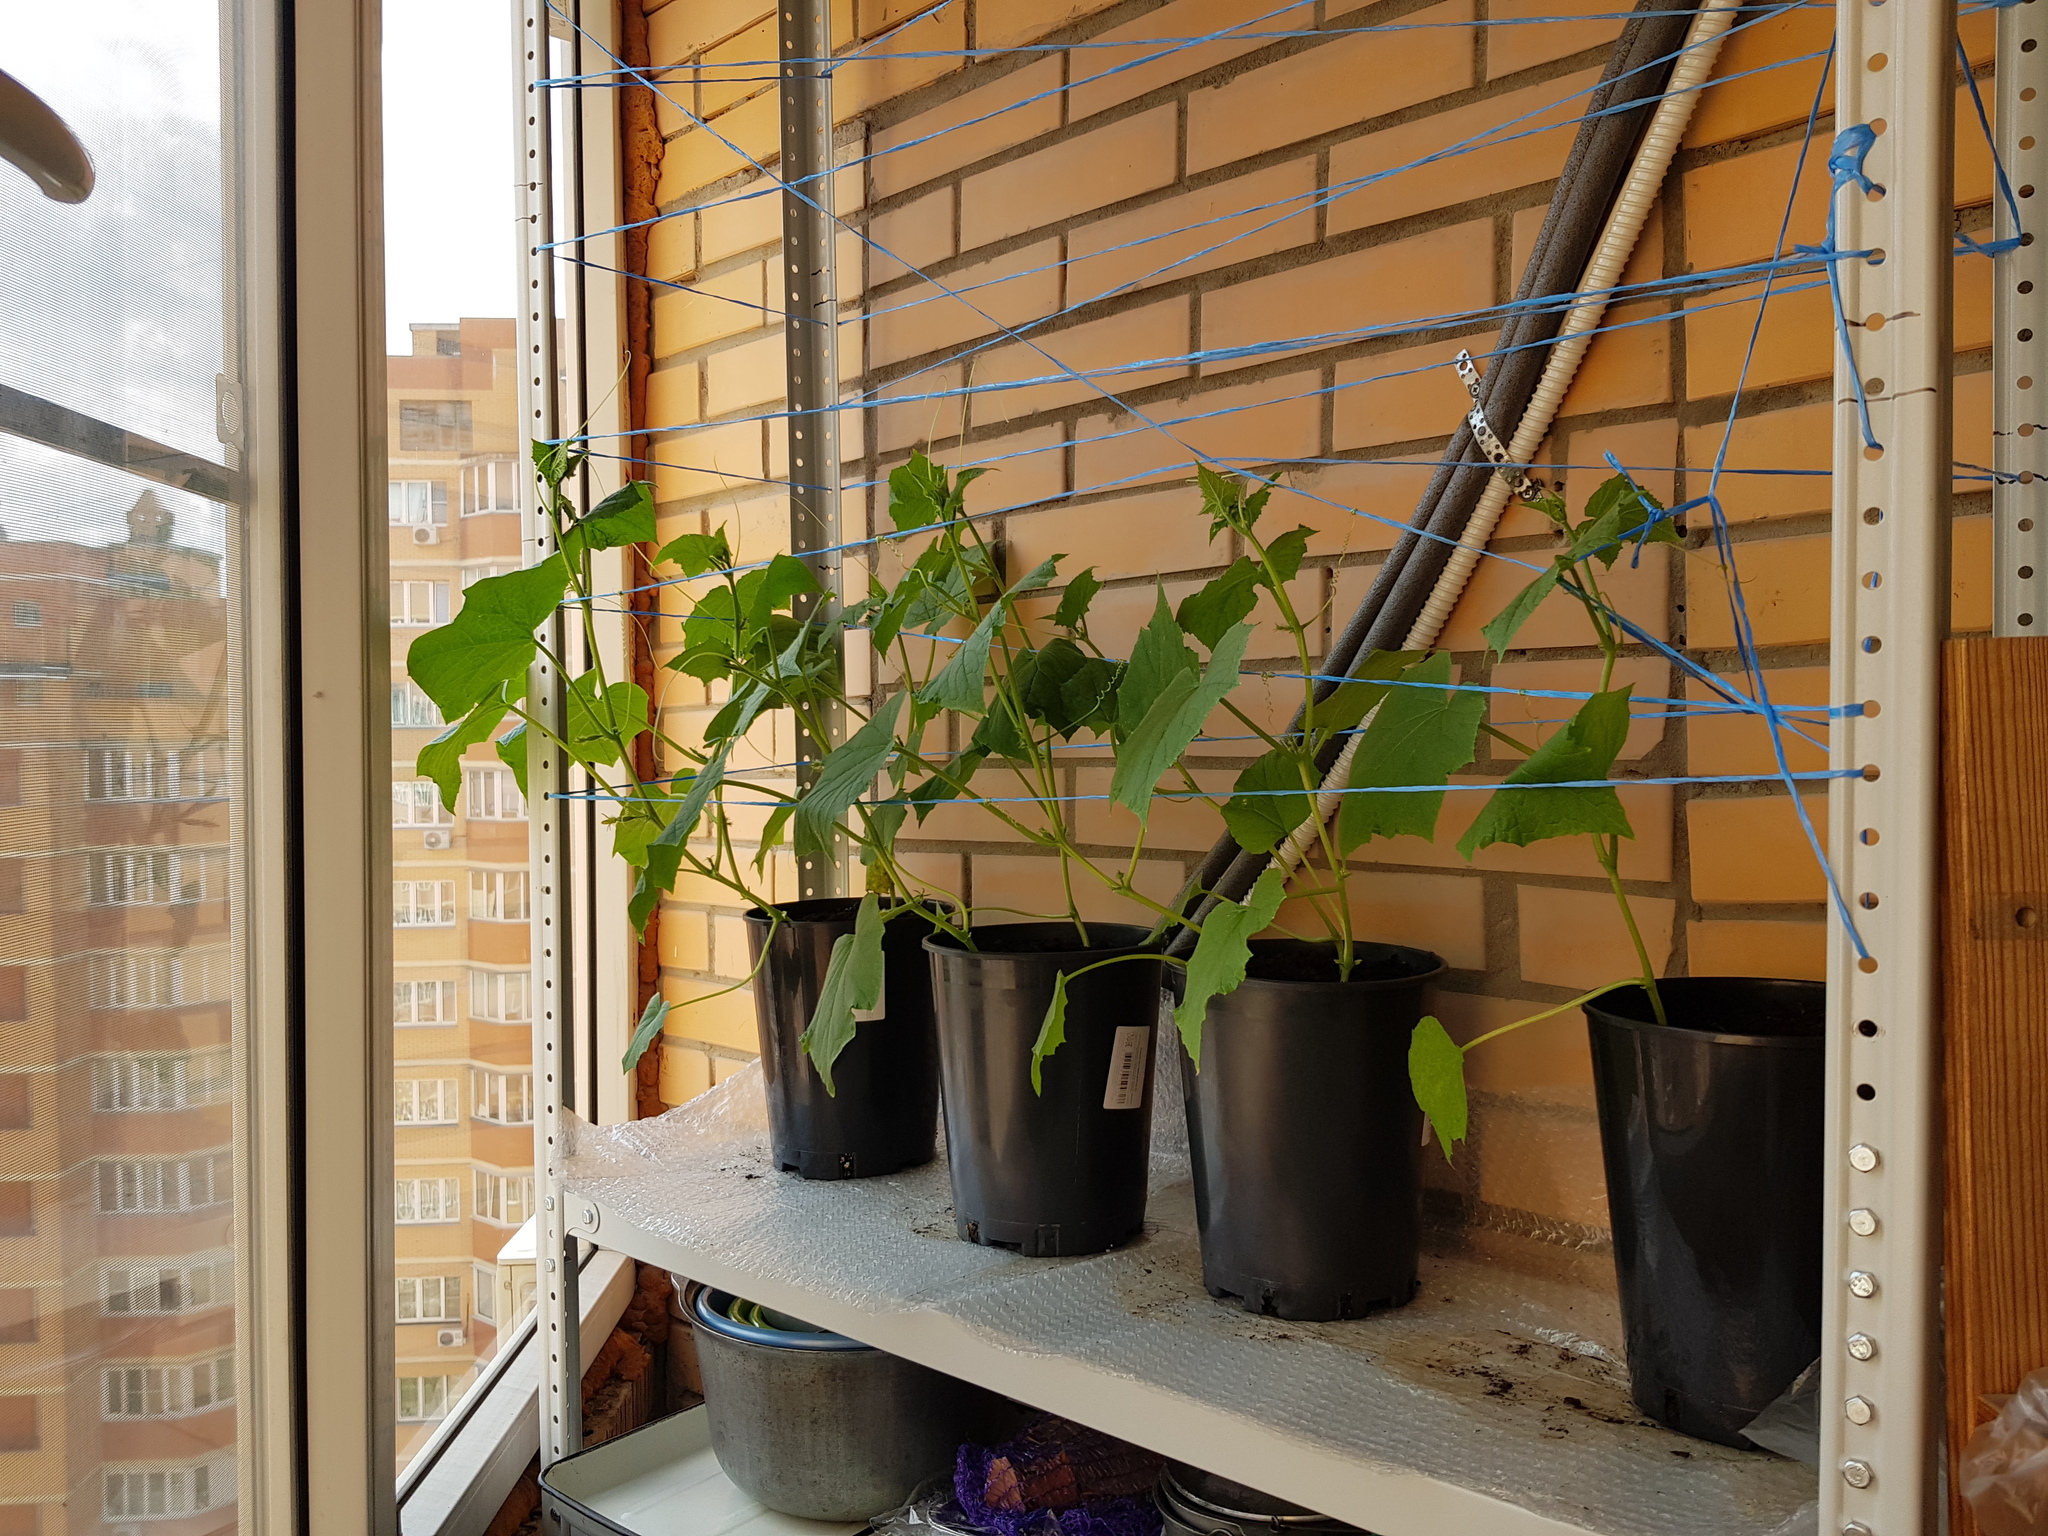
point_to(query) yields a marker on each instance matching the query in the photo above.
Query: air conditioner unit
(438, 838)
(426, 533)
(448, 1338)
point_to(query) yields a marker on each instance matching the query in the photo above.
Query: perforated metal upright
(810, 331)
(2019, 337)
(1880, 1416)
(540, 410)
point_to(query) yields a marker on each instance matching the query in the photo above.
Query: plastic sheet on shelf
(1497, 1380)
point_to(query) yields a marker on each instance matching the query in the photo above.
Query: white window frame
(490, 485)
(422, 1403)
(418, 604)
(121, 770)
(501, 997)
(483, 1292)
(411, 709)
(441, 993)
(167, 978)
(153, 1185)
(150, 1082)
(502, 1199)
(417, 1101)
(418, 503)
(413, 1293)
(150, 1389)
(132, 1495)
(498, 896)
(166, 1287)
(156, 877)
(501, 1098)
(441, 1194)
(491, 793)
(423, 903)
(417, 803)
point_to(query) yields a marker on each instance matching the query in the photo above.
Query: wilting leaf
(853, 982)
(1222, 953)
(1052, 1034)
(647, 1031)
(1584, 748)
(1074, 601)
(1500, 630)
(1436, 1073)
(844, 777)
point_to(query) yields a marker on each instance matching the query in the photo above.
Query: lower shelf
(1485, 1406)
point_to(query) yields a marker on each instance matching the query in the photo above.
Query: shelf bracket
(2019, 342)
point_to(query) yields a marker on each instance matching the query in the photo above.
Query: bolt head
(1859, 1410)
(1862, 1222)
(1855, 1528)
(1862, 1283)
(1863, 1157)
(1857, 1474)
(1862, 1346)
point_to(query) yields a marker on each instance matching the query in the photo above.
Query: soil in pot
(885, 1114)
(1304, 1134)
(1710, 1128)
(1062, 1171)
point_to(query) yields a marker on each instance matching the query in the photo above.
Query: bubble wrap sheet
(1502, 1383)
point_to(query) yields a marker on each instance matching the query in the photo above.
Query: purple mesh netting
(1105, 1517)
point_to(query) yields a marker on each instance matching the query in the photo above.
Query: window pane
(125, 618)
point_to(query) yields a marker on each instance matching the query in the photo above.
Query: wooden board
(1995, 979)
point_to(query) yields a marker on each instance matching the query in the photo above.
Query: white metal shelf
(1478, 1408)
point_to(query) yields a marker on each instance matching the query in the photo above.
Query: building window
(433, 426)
(423, 903)
(493, 795)
(167, 1391)
(164, 1494)
(418, 604)
(28, 615)
(156, 877)
(418, 503)
(17, 1208)
(411, 708)
(154, 1289)
(473, 574)
(505, 1098)
(13, 992)
(172, 1080)
(417, 803)
(499, 997)
(427, 1101)
(180, 978)
(504, 1198)
(484, 1292)
(491, 485)
(18, 1316)
(422, 1202)
(123, 772)
(129, 1187)
(498, 895)
(14, 1101)
(19, 1430)
(425, 1397)
(423, 1002)
(430, 1298)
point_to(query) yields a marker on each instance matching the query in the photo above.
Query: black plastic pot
(1062, 1172)
(885, 1115)
(1711, 1132)
(1304, 1133)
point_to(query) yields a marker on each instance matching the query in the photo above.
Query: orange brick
(723, 1067)
(1051, 186)
(1629, 365)
(708, 459)
(1640, 591)
(1578, 939)
(937, 874)
(685, 939)
(675, 32)
(1130, 536)
(1796, 343)
(1093, 350)
(1338, 83)
(726, 1019)
(709, 310)
(672, 246)
(1443, 272)
(730, 953)
(1546, 36)
(685, 1070)
(1536, 124)
(917, 235)
(1104, 76)
(1742, 743)
(1009, 118)
(1406, 394)
(1031, 886)
(1013, 288)
(1784, 591)
(754, 374)
(1971, 309)
(744, 219)
(920, 423)
(1795, 951)
(1550, 1054)
(1646, 449)
(916, 54)
(1352, 507)
(1752, 96)
(1194, 232)
(1535, 720)
(1645, 262)
(1275, 420)
(1970, 593)
(980, 817)
(1006, 23)
(1025, 468)
(1441, 913)
(879, 15)
(1180, 821)
(1753, 849)
(735, 69)
(1799, 438)
(749, 136)
(672, 395)
(1970, 411)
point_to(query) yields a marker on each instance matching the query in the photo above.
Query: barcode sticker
(1126, 1086)
(880, 1010)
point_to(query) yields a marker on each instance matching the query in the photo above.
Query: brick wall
(1027, 209)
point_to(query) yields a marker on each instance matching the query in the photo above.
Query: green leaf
(962, 682)
(1259, 818)
(1615, 516)
(647, 1031)
(917, 493)
(490, 640)
(1419, 736)
(1224, 499)
(638, 823)
(556, 462)
(997, 736)
(737, 713)
(696, 553)
(1174, 721)
(1500, 630)
(512, 753)
(764, 591)
(441, 758)
(853, 983)
(1043, 683)
(1222, 602)
(1584, 748)
(1285, 553)
(1052, 1034)
(771, 832)
(844, 777)
(1157, 658)
(941, 787)
(624, 517)
(1350, 701)
(883, 823)
(1040, 575)
(599, 727)
(663, 855)
(1436, 1073)
(1089, 696)
(1222, 953)
(1074, 601)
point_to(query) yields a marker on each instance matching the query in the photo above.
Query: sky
(449, 201)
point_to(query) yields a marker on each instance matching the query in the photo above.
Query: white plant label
(1126, 1086)
(881, 1008)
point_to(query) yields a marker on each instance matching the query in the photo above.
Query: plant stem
(1608, 851)
(1549, 1013)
